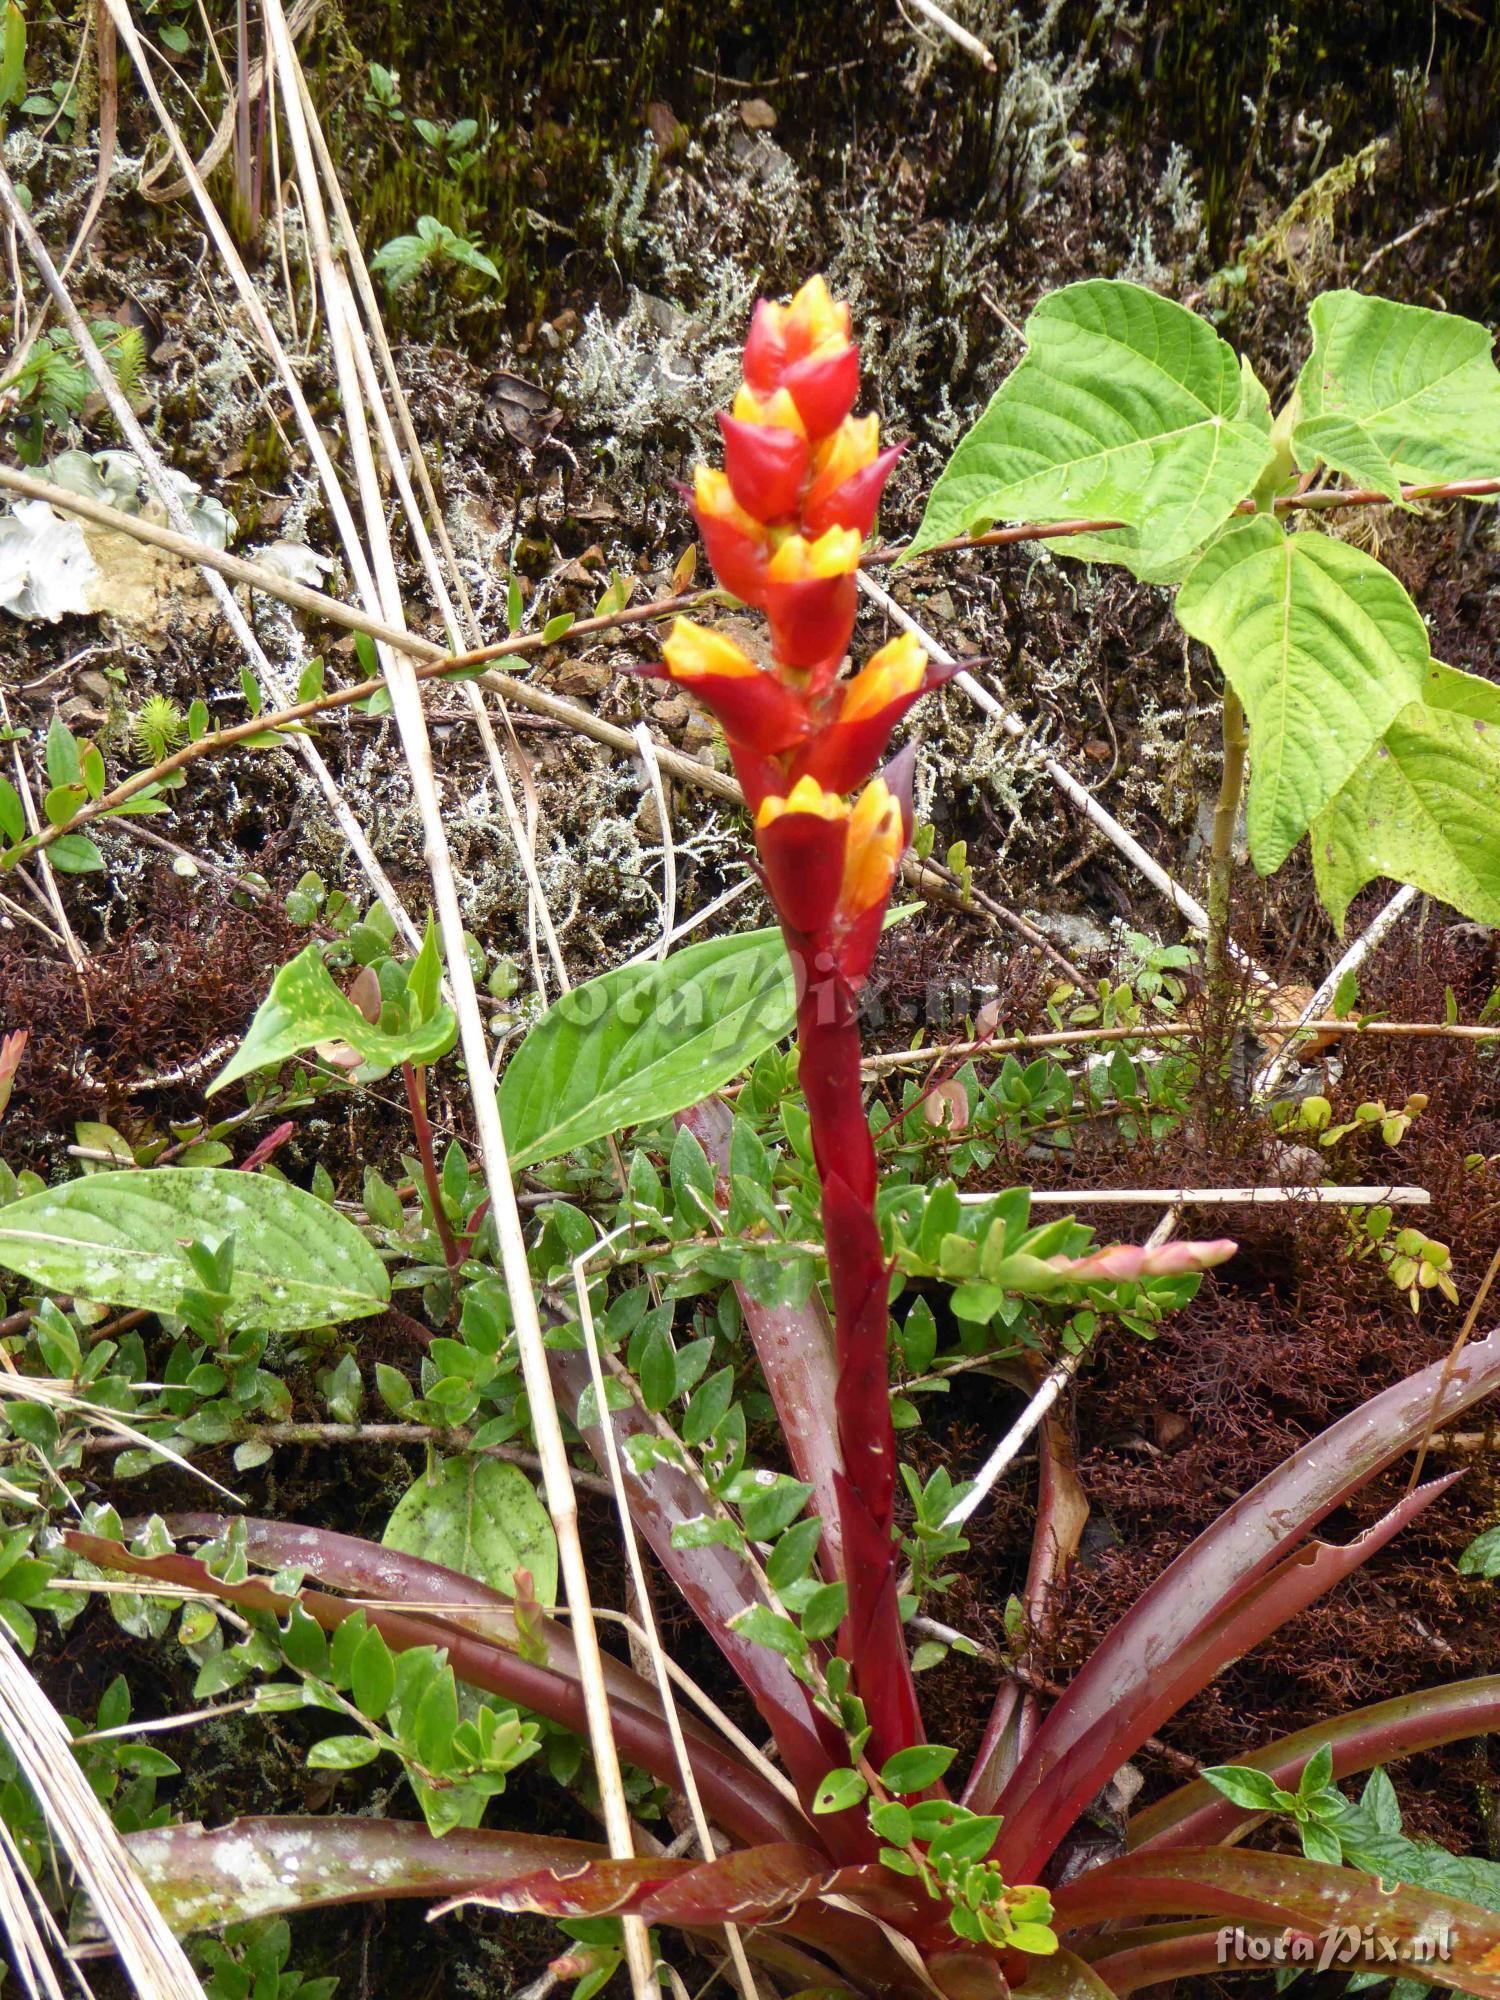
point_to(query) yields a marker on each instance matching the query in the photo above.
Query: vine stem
(1226, 816)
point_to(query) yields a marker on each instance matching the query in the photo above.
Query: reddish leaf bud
(736, 542)
(803, 840)
(766, 466)
(824, 386)
(854, 502)
(754, 707)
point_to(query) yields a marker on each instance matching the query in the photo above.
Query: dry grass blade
(411, 724)
(1385, 920)
(151, 1956)
(21, 1912)
(647, 1620)
(171, 502)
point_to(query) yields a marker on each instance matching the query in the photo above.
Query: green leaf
(643, 1042)
(121, 1238)
(1482, 1556)
(304, 1007)
(1127, 408)
(1323, 647)
(825, 1610)
(13, 55)
(478, 1516)
(1244, 1786)
(74, 854)
(372, 1675)
(1421, 385)
(969, 1837)
(63, 758)
(342, 1753)
(764, 1627)
(1344, 446)
(12, 812)
(1317, 1773)
(839, 1791)
(1423, 806)
(915, 1769)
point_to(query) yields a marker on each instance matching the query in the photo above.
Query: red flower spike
(855, 501)
(766, 465)
(765, 348)
(824, 387)
(812, 620)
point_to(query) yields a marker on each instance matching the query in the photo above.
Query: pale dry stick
(378, 1434)
(66, 937)
(436, 662)
(1075, 792)
(351, 618)
(18, 1894)
(969, 43)
(520, 833)
(338, 506)
(1207, 1197)
(893, 1059)
(1271, 1073)
(1426, 221)
(278, 197)
(647, 1619)
(708, 1707)
(668, 851)
(153, 1960)
(14, 909)
(698, 918)
(524, 832)
(1052, 1386)
(171, 501)
(60, 1396)
(411, 723)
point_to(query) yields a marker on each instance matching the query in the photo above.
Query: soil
(654, 168)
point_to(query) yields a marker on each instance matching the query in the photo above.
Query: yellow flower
(894, 671)
(806, 796)
(778, 409)
(876, 839)
(693, 652)
(835, 553)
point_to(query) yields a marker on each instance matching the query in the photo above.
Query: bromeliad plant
(852, 1867)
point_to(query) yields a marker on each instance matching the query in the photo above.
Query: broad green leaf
(1344, 446)
(643, 1042)
(75, 854)
(1422, 385)
(342, 1753)
(1323, 647)
(1126, 408)
(304, 1008)
(478, 1516)
(1423, 806)
(122, 1238)
(1244, 1786)
(915, 1769)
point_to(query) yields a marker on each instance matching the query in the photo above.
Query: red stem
(872, 1640)
(416, 1097)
